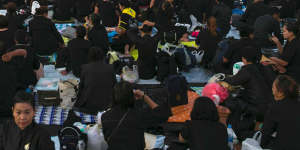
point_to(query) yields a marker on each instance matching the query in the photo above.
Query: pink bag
(216, 92)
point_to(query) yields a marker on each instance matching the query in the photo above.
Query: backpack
(166, 65)
(177, 90)
(184, 59)
(71, 138)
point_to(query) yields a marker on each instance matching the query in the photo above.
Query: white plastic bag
(252, 143)
(154, 141)
(96, 138)
(198, 55)
(216, 78)
(129, 75)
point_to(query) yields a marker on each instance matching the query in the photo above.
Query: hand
(6, 57)
(64, 72)
(275, 39)
(266, 63)
(138, 94)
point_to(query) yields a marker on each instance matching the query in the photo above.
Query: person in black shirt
(78, 50)
(223, 15)
(98, 34)
(23, 132)
(255, 10)
(252, 102)
(96, 83)
(24, 66)
(124, 124)
(265, 26)
(6, 36)
(208, 41)
(204, 127)
(289, 60)
(147, 47)
(45, 37)
(283, 116)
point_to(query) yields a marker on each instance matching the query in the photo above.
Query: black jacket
(45, 37)
(25, 67)
(201, 133)
(98, 37)
(78, 50)
(12, 138)
(223, 15)
(283, 118)
(264, 26)
(96, 87)
(256, 90)
(8, 86)
(130, 134)
(147, 47)
(254, 11)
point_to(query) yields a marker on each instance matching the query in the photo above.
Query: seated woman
(289, 60)
(283, 116)
(96, 83)
(147, 47)
(78, 50)
(204, 127)
(23, 132)
(124, 124)
(255, 97)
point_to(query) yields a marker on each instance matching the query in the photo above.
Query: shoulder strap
(118, 126)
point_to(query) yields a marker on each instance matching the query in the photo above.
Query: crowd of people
(270, 86)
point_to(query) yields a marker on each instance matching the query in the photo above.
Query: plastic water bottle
(231, 135)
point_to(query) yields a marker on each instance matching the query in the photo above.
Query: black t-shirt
(254, 83)
(200, 135)
(291, 54)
